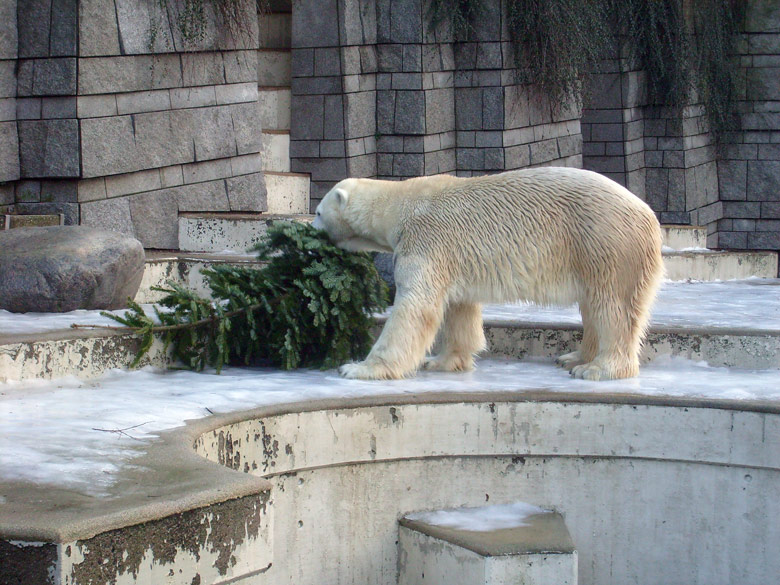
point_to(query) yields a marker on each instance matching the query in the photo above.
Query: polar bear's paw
(449, 363)
(569, 360)
(590, 371)
(365, 371)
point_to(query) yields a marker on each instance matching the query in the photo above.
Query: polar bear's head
(329, 215)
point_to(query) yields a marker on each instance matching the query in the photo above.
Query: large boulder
(63, 268)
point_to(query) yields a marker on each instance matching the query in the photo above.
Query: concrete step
(10, 221)
(682, 237)
(442, 548)
(226, 232)
(276, 30)
(184, 269)
(708, 265)
(273, 107)
(288, 193)
(274, 67)
(276, 151)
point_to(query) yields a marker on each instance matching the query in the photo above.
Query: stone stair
(686, 257)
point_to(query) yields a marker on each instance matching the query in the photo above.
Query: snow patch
(482, 519)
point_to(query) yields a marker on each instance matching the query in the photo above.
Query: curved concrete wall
(662, 492)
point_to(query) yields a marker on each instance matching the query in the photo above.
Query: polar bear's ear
(342, 197)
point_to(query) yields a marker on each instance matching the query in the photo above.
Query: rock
(64, 268)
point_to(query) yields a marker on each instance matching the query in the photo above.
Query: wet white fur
(549, 235)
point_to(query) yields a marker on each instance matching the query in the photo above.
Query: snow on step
(486, 546)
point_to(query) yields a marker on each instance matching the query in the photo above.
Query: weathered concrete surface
(219, 232)
(707, 471)
(441, 560)
(713, 265)
(64, 268)
(85, 354)
(185, 269)
(749, 349)
(619, 469)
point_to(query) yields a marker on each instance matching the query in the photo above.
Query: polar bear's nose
(317, 223)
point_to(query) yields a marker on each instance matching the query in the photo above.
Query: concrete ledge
(538, 552)
(214, 232)
(716, 265)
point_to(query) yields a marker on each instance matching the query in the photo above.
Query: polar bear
(549, 235)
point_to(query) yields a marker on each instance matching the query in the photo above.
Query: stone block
(64, 28)
(488, 56)
(236, 93)
(763, 181)
(196, 69)
(6, 197)
(326, 169)
(132, 183)
(405, 22)
(315, 15)
(570, 145)
(762, 16)
(732, 178)
(763, 241)
(368, 59)
(302, 62)
(308, 123)
(741, 210)
(350, 61)
(9, 152)
(468, 109)
(69, 211)
(539, 108)
(544, 151)
(205, 196)
(49, 148)
(385, 111)
(390, 144)
(332, 149)
(143, 101)
(155, 217)
(492, 108)
(98, 31)
(247, 193)
(193, 97)
(360, 114)
(404, 81)
(246, 164)
(412, 58)
(327, 62)
(96, 106)
(40, 77)
(316, 85)
(409, 116)
(240, 66)
(58, 107)
(27, 192)
(34, 23)
(732, 240)
(333, 124)
(246, 128)
(763, 83)
(91, 190)
(63, 191)
(171, 176)
(102, 75)
(304, 149)
(408, 165)
(390, 58)
(769, 152)
(9, 41)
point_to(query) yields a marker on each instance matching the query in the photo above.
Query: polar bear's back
(536, 234)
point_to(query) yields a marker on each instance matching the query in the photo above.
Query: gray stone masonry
(749, 168)
(118, 121)
(407, 100)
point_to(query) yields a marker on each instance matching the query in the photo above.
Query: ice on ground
(482, 519)
(737, 304)
(80, 433)
(752, 304)
(30, 323)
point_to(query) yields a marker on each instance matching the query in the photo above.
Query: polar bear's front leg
(408, 334)
(462, 337)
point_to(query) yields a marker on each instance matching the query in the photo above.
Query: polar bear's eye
(317, 214)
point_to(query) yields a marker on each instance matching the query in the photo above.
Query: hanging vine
(686, 47)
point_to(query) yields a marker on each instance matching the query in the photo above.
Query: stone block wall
(749, 171)
(376, 92)
(122, 123)
(9, 139)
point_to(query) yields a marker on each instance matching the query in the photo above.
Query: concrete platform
(442, 547)
(620, 466)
